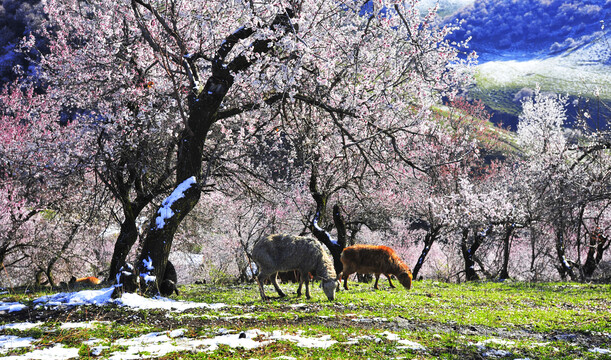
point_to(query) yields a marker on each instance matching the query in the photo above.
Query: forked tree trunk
(335, 246)
(203, 111)
(468, 251)
(125, 241)
(598, 244)
(158, 241)
(564, 268)
(430, 237)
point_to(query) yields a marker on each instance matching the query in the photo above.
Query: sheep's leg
(299, 288)
(389, 281)
(375, 286)
(275, 283)
(307, 283)
(260, 280)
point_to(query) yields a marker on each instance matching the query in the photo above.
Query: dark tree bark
(127, 235)
(126, 239)
(564, 268)
(468, 251)
(335, 247)
(509, 228)
(203, 112)
(429, 239)
(598, 244)
(123, 179)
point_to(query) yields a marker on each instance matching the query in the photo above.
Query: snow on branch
(166, 212)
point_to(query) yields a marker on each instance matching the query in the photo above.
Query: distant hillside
(523, 29)
(563, 46)
(17, 18)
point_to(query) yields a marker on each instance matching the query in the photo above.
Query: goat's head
(405, 279)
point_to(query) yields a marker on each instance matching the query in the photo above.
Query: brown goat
(89, 280)
(376, 259)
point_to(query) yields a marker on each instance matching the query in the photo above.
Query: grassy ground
(433, 320)
(499, 82)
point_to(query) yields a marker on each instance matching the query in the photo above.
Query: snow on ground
(584, 71)
(555, 73)
(56, 352)
(11, 306)
(154, 344)
(135, 301)
(8, 342)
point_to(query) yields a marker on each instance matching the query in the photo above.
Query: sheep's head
(328, 286)
(405, 279)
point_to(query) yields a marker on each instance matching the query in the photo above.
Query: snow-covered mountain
(562, 46)
(523, 29)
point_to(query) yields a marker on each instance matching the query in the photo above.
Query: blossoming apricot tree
(170, 88)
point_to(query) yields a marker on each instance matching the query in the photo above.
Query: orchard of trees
(142, 130)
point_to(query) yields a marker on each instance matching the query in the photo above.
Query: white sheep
(281, 252)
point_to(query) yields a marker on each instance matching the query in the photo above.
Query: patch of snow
(177, 333)
(391, 336)
(496, 353)
(11, 306)
(410, 345)
(12, 342)
(370, 320)
(406, 344)
(355, 340)
(319, 229)
(135, 301)
(148, 263)
(81, 325)
(148, 278)
(84, 297)
(97, 350)
(600, 351)
(57, 352)
(159, 344)
(537, 344)
(496, 342)
(21, 326)
(324, 341)
(166, 212)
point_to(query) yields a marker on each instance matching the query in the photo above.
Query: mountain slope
(561, 46)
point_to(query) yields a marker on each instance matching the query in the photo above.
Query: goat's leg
(389, 281)
(275, 283)
(375, 286)
(299, 288)
(345, 275)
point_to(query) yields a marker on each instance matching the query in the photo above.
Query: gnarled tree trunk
(202, 112)
(335, 247)
(429, 239)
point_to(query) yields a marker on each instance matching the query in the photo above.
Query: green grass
(451, 321)
(541, 306)
(499, 93)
